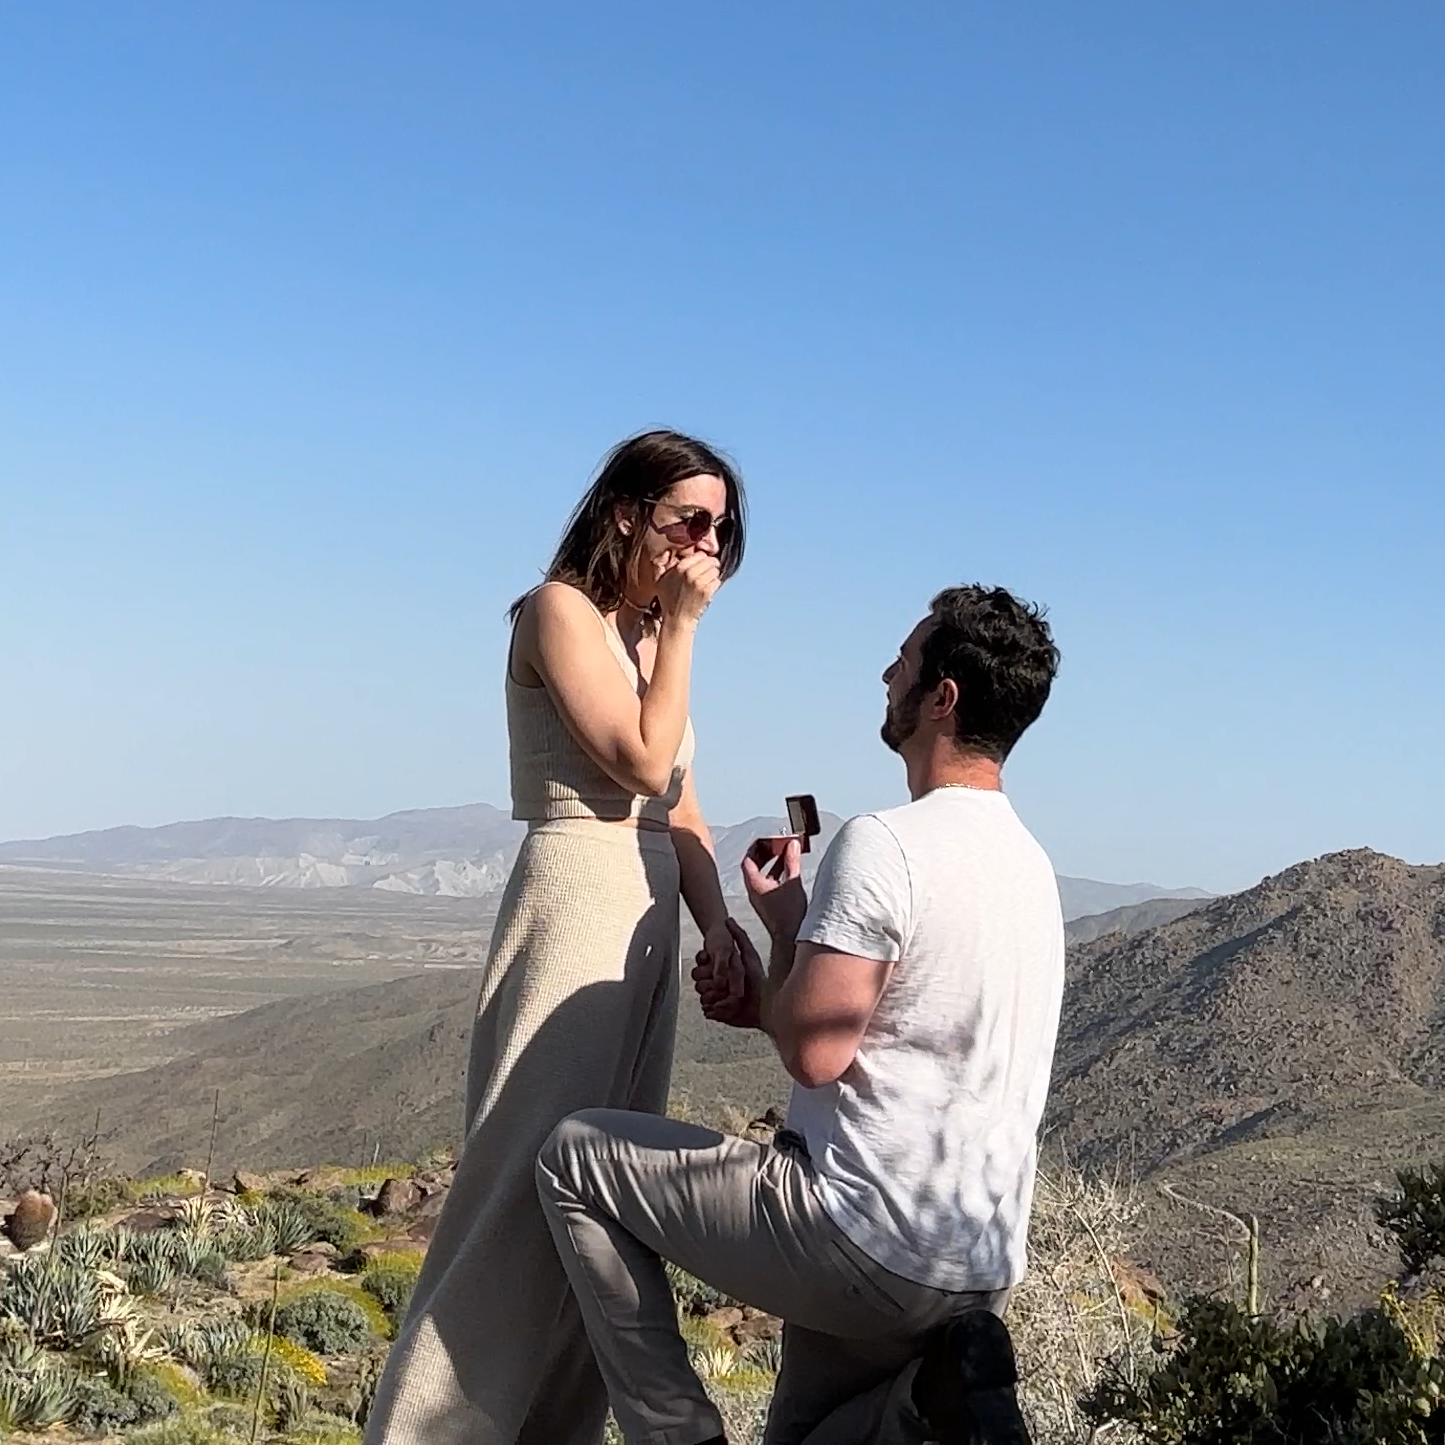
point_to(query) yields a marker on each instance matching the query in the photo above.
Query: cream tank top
(552, 775)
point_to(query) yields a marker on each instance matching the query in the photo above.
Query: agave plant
(293, 1405)
(198, 1217)
(38, 1400)
(88, 1247)
(766, 1354)
(58, 1302)
(155, 1276)
(290, 1229)
(122, 1341)
(714, 1362)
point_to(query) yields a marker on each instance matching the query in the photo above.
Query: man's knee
(559, 1159)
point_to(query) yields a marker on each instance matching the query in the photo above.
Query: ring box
(802, 819)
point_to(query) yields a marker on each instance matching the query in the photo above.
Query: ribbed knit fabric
(554, 778)
(578, 1009)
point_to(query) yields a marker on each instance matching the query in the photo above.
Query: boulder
(397, 1197)
(246, 1183)
(727, 1318)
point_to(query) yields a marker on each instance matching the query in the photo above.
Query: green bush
(101, 1409)
(390, 1283)
(325, 1321)
(1233, 1379)
(1416, 1217)
(154, 1400)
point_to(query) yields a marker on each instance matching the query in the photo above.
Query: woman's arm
(696, 862)
(633, 740)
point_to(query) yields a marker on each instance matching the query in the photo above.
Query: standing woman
(579, 997)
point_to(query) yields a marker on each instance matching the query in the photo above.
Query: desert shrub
(1416, 1217)
(1236, 1379)
(230, 1420)
(293, 1362)
(694, 1295)
(324, 1320)
(1070, 1317)
(155, 1395)
(390, 1281)
(188, 1428)
(101, 1409)
(235, 1371)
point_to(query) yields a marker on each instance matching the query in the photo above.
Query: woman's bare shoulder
(560, 602)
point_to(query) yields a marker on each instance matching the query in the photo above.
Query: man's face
(905, 696)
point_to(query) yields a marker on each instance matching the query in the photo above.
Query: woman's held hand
(686, 585)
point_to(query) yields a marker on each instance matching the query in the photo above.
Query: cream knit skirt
(578, 1010)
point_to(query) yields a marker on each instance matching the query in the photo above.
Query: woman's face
(687, 519)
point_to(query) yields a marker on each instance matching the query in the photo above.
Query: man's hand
(776, 891)
(735, 996)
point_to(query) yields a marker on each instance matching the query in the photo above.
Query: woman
(579, 996)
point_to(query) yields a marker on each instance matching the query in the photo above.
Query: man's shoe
(964, 1389)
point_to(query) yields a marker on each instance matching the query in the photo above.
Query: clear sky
(315, 318)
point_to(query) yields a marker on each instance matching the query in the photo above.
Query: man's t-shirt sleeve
(862, 897)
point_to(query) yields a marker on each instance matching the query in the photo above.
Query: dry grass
(1076, 1310)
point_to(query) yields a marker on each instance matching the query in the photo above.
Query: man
(915, 1004)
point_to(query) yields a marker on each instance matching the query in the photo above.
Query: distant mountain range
(463, 852)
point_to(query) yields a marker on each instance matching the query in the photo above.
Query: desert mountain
(1323, 984)
(463, 852)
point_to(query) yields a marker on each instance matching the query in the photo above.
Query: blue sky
(314, 321)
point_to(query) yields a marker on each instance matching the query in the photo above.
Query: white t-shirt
(925, 1149)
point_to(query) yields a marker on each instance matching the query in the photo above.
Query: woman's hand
(731, 993)
(686, 585)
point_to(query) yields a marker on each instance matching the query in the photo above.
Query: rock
(192, 1176)
(762, 1129)
(29, 1222)
(432, 1205)
(1138, 1286)
(245, 1183)
(758, 1326)
(311, 1261)
(150, 1219)
(404, 1245)
(397, 1197)
(423, 1229)
(727, 1318)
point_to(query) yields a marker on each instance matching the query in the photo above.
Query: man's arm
(816, 1005)
(816, 999)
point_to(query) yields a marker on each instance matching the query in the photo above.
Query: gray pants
(623, 1191)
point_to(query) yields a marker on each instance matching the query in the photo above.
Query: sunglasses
(694, 523)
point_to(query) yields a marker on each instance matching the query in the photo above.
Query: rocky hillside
(1324, 984)
(1276, 1053)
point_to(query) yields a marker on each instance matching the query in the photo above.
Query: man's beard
(901, 722)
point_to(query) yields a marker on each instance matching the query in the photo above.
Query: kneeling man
(915, 1003)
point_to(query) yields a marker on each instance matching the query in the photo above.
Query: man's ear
(945, 698)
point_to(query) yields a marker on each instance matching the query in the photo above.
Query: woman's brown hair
(595, 555)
